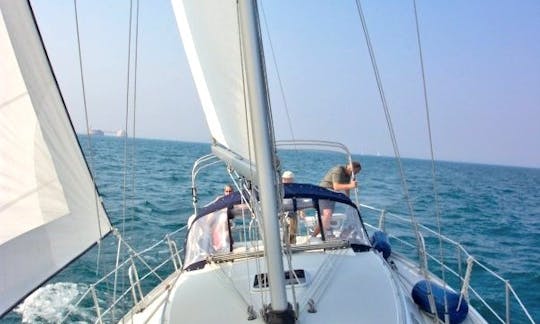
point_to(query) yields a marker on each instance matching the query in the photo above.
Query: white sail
(228, 68)
(210, 35)
(49, 209)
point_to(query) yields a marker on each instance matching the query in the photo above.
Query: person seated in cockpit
(291, 217)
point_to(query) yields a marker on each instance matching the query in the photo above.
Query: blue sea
(492, 210)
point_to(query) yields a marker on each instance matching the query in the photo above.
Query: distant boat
(120, 133)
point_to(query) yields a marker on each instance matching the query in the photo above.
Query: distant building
(96, 132)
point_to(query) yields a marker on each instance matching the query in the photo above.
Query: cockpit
(228, 227)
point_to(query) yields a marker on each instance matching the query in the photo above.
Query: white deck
(346, 287)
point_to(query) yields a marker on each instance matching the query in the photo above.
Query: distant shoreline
(492, 164)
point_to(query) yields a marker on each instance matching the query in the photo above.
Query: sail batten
(49, 208)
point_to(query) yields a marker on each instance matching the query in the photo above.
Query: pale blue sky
(482, 61)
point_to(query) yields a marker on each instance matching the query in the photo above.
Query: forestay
(49, 208)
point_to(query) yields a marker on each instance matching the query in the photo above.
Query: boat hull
(339, 286)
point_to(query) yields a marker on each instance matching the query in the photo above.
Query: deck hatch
(299, 277)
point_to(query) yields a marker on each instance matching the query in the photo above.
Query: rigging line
(133, 151)
(221, 265)
(280, 82)
(252, 200)
(128, 78)
(433, 172)
(330, 263)
(421, 252)
(245, 234)
(138, 256)
(270, 125)
(227, 278)
(240, 186)
(90, 149)
(124, 184)
(288, 256)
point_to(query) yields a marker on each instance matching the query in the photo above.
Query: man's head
(287, 177)
(227, 190)
(354, 166)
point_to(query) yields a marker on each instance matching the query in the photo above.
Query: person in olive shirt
(339, 178)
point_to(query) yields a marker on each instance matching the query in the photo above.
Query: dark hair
(356, 165)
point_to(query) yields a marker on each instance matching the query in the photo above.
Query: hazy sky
(482, 65)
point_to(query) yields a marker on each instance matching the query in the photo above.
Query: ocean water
(146, 188)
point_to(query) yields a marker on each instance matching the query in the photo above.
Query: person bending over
(338, 178)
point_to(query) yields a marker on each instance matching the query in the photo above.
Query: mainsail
(210, 34)
(49, 208)
(224, 50)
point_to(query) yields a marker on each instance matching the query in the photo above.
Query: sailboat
(239, 263)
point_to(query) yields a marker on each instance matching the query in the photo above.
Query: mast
(280, 310)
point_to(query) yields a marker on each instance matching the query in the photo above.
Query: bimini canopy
(211, 230)
(291, 190)
(306, 190)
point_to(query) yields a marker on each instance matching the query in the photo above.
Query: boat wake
(51, 303)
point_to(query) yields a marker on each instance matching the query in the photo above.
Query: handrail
(329, 145)
(383, 221)
(128, 266)
(328, 245)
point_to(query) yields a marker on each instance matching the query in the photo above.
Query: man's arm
(344, 186)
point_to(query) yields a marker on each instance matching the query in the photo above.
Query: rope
(81, 70)
(466, 280)
(228, 278)
(421, 252)
(433, 176)
(246, 233)
(124, 184)
(258, 260)
(133, 146)
(280, 82)
(132, 156)
(138, 255)
(288, 256)
(321, 278)
(90, 149)
(239, 187)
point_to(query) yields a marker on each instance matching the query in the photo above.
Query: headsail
(210, 35)
(49, 208)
